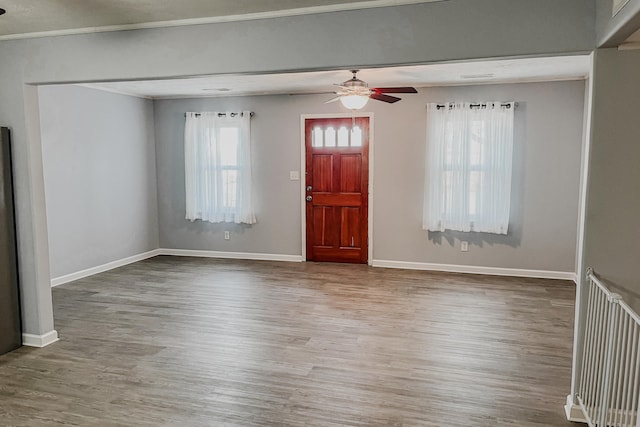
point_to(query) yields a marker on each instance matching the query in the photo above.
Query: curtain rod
(251, 114)
(507, 105)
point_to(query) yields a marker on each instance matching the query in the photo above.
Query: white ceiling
(464, 73)
(37, 18)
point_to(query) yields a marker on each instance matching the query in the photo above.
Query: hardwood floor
(202, 342)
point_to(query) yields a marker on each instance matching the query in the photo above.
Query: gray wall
(545, 187)
(545, 192)
(275, 150)
(98, 155)
(613, 204)
(613, 199)
(456, 29)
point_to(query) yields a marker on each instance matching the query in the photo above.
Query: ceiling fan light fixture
(354, 102)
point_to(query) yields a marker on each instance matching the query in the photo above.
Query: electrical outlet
(226, 235)
(464, 246)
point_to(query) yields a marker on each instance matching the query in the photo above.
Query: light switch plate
(294, 175)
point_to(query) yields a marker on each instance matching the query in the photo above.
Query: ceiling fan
(355, 93)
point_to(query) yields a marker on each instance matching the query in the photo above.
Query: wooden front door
(337, 189)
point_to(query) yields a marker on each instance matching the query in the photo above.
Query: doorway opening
(336, 189)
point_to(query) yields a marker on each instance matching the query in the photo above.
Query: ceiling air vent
(477, 76)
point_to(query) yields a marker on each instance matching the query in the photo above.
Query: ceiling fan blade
(384, 98)
(406, 89)
(333, 99)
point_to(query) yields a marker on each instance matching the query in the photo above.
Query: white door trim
(576, 358)
(303, 178)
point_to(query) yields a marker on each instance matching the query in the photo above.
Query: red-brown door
(337, 188)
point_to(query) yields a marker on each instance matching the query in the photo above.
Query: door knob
(309, 198)
(308, 188)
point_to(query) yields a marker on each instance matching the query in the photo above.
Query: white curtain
(469, 161)
(217, 160)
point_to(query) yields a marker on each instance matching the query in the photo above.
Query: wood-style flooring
(200, 342)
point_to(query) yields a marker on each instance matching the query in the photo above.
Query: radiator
(609, 391)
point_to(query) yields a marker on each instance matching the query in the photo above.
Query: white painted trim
(303, 183)
(101, 268)
(174, 252)
(473, 269)
(303, 168)
(300, 258)
(573, 412)
(44, 340)
(220, 19)
(582, 215)
(584, 168)
(370, 201)
(231, 255)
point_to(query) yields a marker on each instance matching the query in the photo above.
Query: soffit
(464, 73)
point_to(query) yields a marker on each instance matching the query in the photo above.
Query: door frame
(303, 169)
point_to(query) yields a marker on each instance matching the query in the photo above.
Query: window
(328, 137)
(217, 148)
(469, 159)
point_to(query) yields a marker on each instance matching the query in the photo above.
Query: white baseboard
(174, 252)
(32, 340)
(452, 268)
(573, 411)
(472, 269)
(104, 267)
(231, 255)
